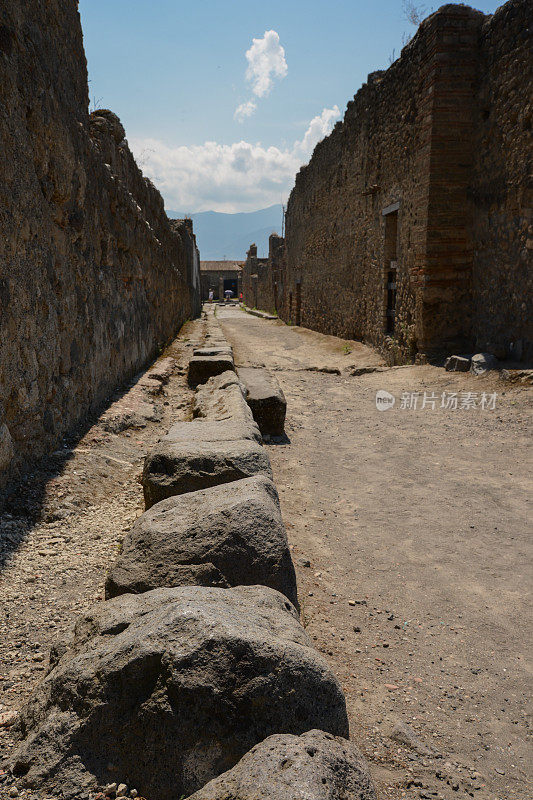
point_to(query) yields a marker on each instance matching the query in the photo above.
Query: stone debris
(404, 734)
(228, 535)
(314, 765)
(457, 364)
(483, 362)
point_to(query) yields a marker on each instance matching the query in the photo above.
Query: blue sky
(175, 73)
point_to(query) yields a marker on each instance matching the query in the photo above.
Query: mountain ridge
(229, 236)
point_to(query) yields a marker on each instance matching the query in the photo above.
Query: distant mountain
(230, 235)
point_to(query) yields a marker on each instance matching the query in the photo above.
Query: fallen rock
(201, 368)
(230, 535)
(266, 400)
(483, 362)
(457, 364)
(314, 765)
(171, 688)
(177, 467)
(405, 735)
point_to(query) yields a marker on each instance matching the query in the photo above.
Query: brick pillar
(444, 270)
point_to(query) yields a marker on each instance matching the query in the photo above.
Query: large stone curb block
(314, 765)
(201, 368)
(213, 350)
(266, 400)
(206, 430)
(174, 468)
(230, 535)
(222, 398)
(170, 689)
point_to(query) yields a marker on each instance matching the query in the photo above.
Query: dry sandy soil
(415, 526)
(413, 523)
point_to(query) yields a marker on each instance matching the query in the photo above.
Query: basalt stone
(222, 398)
(266, 400)
(170, 689)
(201, 368)
(206, 430)
(174, 468)
(314, 765)
(228, 535)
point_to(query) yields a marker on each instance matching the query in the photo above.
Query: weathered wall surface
(503, 184)
(92, 278)
(411, 149)
(262, 277)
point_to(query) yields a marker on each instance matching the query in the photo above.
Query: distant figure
(211, 295)
(228, 294)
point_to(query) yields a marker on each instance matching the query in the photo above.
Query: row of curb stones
(196, 676)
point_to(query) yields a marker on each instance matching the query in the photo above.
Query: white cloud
(319, 127)
(235, 177)
(245, 110)
(266, 61)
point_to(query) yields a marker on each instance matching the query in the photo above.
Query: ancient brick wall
(502, 186)
(382, 226)
(92, 278)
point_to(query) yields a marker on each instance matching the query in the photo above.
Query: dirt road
(414, 523)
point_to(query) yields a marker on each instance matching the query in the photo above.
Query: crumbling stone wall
(92, 278)
(411, 157)
(262, 277)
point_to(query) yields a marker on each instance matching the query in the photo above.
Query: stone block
(265, 398)
(174, 468)
(230, 535)
(170, 688)
(201, 368)
(284, 767)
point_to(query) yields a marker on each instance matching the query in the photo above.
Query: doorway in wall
(390, 269)
(298, 315)
(231, 283)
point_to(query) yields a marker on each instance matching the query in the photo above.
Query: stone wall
(262, 277)
(93, 281)
(391, 229)
(503, 185)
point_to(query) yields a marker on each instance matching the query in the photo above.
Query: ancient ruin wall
(411, 140)
(502, 188)
(92, 279)
(377, 156)
(262, 278)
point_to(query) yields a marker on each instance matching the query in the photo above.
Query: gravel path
(62, 526)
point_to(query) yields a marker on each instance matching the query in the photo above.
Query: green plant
(346, 349)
